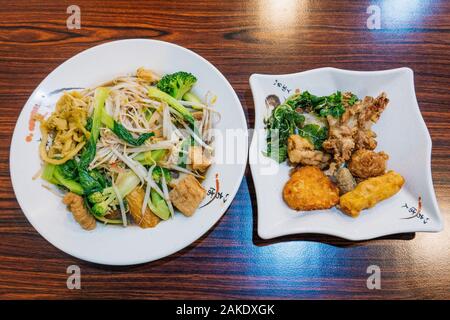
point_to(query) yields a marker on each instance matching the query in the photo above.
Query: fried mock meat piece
(310, 189)
(301, 151)
(353, 130)
(75, 203)
(370, 113)
(370, 192)
(135, 200)
(187, 195)
(367, 163)
(345, 180)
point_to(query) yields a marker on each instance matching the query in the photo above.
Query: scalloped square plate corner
(402, 133)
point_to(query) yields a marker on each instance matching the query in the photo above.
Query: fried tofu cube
(187, 195)
(199, 159)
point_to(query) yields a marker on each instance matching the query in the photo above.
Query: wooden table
(240, 38)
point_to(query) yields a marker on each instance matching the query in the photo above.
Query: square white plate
(402, 133)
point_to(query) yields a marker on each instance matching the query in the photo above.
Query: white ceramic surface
(402, 133)
(115, 245)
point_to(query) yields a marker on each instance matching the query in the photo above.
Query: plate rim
(234, 189)
(266, 232)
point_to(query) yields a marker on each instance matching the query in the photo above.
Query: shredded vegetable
(134, 131)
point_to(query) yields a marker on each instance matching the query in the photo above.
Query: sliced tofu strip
(135, 199)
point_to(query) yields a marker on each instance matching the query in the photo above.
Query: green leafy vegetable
(189, 96)
(91, 181)
(58, 175)
(155, 93)
(158, 172)
(150, 157)
(67, 182)
(353, 99)
(88, 183)
(89, 124)
(158, 205)
(100, 178)
(315, 134)
(69, 169)
(120, 131)
(304, 100)
(89, 150)
(322, 106)
(283, 122)
(177, 84)
(48, 173)
(103, 200)
(330, 105)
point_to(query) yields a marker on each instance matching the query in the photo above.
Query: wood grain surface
(240, 38)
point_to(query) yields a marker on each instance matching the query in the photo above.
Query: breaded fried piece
(310, 189)
(370, 113)
(367, 163)
(353, 130)
(75, 203)
(300, 150)
(371, 191)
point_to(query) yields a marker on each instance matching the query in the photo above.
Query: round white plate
(115, 245)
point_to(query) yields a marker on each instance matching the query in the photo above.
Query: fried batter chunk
(340, 140)
(367, 163)
(135, 199)
(79, 211)
(301, 151)
(370, 192)
(310, 189)
(353, 130)
(187, 195)
(369, 114)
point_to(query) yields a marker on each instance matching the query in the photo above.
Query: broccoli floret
(96, 197)
(103, 201)
(101, 209)
(157, 173)
(177, 84)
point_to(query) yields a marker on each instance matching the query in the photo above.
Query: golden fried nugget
(310, 189)
(371, 191)
(367, 163)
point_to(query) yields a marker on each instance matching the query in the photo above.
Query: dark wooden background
(240, 38)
